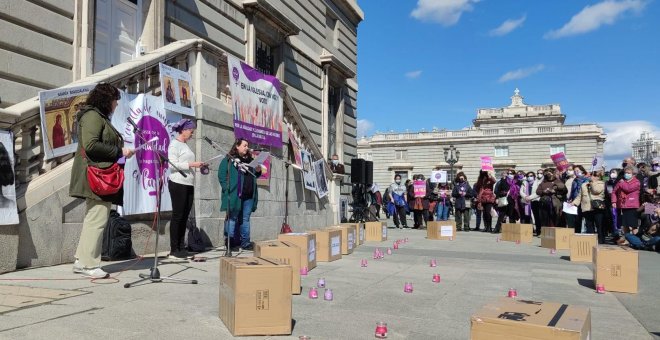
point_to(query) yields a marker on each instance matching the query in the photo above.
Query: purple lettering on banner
(147, 156)
(256, 134)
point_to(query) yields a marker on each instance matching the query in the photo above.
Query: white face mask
(398, 181)
(335, 161)
(530, 178)
(570, 173)
(613, 175)
(509, 176)
(539, 176)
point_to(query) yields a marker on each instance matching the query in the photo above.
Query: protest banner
(560, 161)
(487, 163)
(419, 188)
(439, 176)
(176, 90)
(8, 208)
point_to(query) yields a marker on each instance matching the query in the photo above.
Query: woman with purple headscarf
(181, 188)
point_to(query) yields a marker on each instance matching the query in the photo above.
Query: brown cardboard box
(441, 230)
(515, 232)
(328, 244)
(508, 318)
(255, 296)
(307, 244)
(616, 268)
(285, 252)
(359, 233)
(375, 231)
(556, 238)
(347, 238)
(582, 246)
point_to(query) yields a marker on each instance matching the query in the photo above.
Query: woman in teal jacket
(239, 191)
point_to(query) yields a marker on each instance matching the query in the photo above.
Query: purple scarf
(514, 188)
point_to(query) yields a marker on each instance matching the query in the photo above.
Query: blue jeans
(442, 212)
(244, 229)
(637, 243)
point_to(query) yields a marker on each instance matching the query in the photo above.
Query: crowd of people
(621, 206)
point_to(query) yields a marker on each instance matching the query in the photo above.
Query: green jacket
(103, 146)
(229, 196)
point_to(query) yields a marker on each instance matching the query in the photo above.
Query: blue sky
(433, 63)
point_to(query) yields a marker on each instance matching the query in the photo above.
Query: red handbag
(106, 181)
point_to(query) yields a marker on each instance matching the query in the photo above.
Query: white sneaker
(94, 273)
(77, 267)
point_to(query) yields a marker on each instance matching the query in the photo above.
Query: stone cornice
(265, 9)
(327, 58)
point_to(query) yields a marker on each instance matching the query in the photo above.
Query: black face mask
(548, 177)
(624, 165)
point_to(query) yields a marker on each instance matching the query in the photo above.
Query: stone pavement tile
(38, 292)
(616, 323)
(21, 301)
(41, 315)
(4, 309)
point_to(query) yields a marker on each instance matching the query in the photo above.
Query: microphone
(257, 149)
(130, 121)
(208, 140)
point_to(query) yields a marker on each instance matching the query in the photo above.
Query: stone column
(335, 183)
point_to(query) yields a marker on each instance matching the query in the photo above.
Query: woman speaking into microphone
(239, 191)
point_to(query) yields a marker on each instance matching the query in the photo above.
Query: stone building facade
(646, 148)
(517, 136)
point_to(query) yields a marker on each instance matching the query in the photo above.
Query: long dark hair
(234, 149)
(7, 172)
(101, 97)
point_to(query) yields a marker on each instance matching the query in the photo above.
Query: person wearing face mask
(551, 192)
(527, 196)
(442, 208)
(580, 177)
(462, 195)
(625, 197)
(592, 192)
(420, 204)
(611, 218)
(398, 196)
(649, 183)
(335, 166)
(507, 192)
(485, 197)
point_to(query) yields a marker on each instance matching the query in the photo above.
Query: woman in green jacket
(239, 191)
(102, 145)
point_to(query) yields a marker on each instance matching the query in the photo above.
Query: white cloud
(521, 73)
(364, 127)
(444, 12)
(593, 17)
(413, 74)
(621, 135)
(508, 26)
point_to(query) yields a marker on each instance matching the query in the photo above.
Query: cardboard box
(359, 233)
(285, 252)
(328, 244)
(347, 238)
(441, 230)
(616, 268)
(582, 246)
(307, 244)
(508, 318)
(556, 238)
(515, 232)
(375, 231)
(255, 296)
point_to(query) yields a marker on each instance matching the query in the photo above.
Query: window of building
(557, 148)
(264, 60)
(400, 154)
(334, 102)
(501, 151)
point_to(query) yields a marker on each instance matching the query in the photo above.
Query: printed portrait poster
(176, 90)
(256, 103)
(321, 181)
(560, 161)
(309, 178)
(8, 209)
(296, 150)
(264, 179)
(141, 171)
(59, 127)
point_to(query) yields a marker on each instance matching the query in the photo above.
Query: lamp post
(451, 157)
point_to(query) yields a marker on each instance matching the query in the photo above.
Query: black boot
(228, 247)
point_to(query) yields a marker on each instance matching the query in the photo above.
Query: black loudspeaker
(368, 172)
(357, 170)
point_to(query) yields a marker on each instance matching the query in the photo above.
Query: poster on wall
(264, 179)
(176, 90)
(309, 178)
(296, 150)
(256, 103)
(321, 181)
(141, 170)
(8, 209)
(59, 127)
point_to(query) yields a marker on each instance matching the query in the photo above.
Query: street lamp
(451, 157)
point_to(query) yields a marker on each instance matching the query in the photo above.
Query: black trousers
(594, 222)
(400, 216)
(182, 200)
(487, 217)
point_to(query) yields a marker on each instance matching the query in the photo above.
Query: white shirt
(180, 155)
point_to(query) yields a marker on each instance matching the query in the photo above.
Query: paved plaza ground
(474, 267)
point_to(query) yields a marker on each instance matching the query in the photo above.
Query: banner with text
(560, 161)
(487, 163)
(439, 176)
(419, 188)
(256, 103)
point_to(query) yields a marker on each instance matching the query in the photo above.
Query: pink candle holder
(512, 293)
(408, 287)
(381, 330)
(600, 288)
(553, 251)
(321, 283)
(313, 293)
(451, 238)
(498, 239)
(436, 278)
(304, 271)
(389, 251)
(327, 296)
(406, 239)
(517, 241)
(395, 245)
(433, 263)
(304, 337)
(363, 263)
(376, 256)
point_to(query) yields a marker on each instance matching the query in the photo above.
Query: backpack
(195, 237)
(117, 243)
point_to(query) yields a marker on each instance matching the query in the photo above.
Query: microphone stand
(154, 273)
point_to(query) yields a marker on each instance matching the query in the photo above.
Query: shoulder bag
(106, 181)
(595, 204)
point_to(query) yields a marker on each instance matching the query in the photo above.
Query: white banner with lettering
(140, 184)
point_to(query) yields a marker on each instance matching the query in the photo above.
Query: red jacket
(626, 194)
